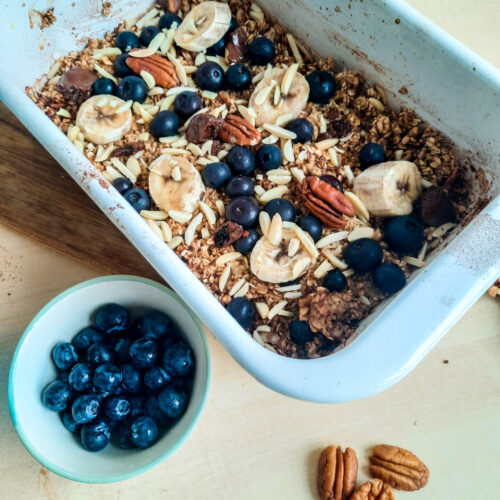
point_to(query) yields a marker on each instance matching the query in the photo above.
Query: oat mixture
(283, 276)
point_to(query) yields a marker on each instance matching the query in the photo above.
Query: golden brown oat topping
(357, 114)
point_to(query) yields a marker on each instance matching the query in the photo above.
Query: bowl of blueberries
(109, 379)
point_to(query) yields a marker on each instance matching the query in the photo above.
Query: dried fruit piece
(374, 490)
(202, 128)
(398, 467)
(236, 130)
(337, 472)
(325, 202)
(170, 5)
(228, 234)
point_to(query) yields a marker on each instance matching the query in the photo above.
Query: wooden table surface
(254, 444)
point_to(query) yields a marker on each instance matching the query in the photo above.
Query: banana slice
(263, 103)
(203, 26)
(272, 263)
(389, 188)
(104, 119)
(183, 195)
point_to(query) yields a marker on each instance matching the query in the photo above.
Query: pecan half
(236, 130)
(328, 204)
(374, 490)
(202, 128)
(236, 45)
(337, 472)
(398, 467)
(162, 70)
(170, 5)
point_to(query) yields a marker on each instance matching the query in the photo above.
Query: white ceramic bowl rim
(156, 461)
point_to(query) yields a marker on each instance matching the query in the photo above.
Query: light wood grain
(254, 444)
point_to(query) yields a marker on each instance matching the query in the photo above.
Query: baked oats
(288, 185)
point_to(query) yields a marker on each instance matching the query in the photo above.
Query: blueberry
(138, 198)
(168, 19)
(178, 359)
(268, 157)
(112, 319)
(136, 406)
(127, 40)
(56, 396)
(217, 49)
(246, 243)
(153, 325)
(116, 408)
(242, 310)
(122, 435)
(371, 154)
(300, 332)
(155, 378)
(321, 86)
(69, 422)
(143, 353)
(63, 377)
(282, 207)
(152, 409)
(404, 234)
(311, 225)
(80, 377)
(333, 181)
(107, 377)
(389, 277)
(147, 35)
(131, 379)
(164, 124)
(86, 337)
(261, 51)
(216, 174)
(120, 348)
(303, 128)
(95, 436)
(121, 68)
(238, 77)
(172, 402)
(64, 355)
(334, 281)
(239, 186)
(103, 86)
(363, 255)
(210, 76)
(85, 408)
(143, 432)
(132, 88)
(186, 103)
(122, 184)
(240, 160)
(244, 211)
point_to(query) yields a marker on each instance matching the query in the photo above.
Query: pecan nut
(374, 490)
(170, 5)
(237, 130)
(328, 204)
(236, 45)
(202, 128)
(337, 472)
(398, 467)
(162, 70)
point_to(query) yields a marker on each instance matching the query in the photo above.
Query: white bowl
(42, 431)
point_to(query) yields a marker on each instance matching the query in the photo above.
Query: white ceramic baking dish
(450, 87)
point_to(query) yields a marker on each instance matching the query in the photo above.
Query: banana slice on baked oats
(293, 91)
(175, 184)
(104, 118)
(283, 254)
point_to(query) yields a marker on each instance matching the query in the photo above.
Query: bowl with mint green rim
(41, 430)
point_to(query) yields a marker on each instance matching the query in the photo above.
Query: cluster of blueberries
(121, 380)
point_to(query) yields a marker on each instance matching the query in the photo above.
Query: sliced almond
(209, 213)
(443, 229)
(288, 77)
(220, 207)
(263, 94)
(348, 272)
(191, 229)
(287, 150)
(361, 232)
(113, 173)
(280, 132)
(322, 124)
(273, 193)
(270, 139)
(105, 74)
(294, 48)
(349, 174)
(322, 270)
(423, 250)
(284, 119)
(237, 286)
(300, 266)
(275, 233)
(133, 166)
(227, 257)
(166, 231)
(292, 295)
(293, 246)
(175, 242)
(142, 52)
(154, 214)
(307, 242)
(155, 228)
(326, 144)
(358, 205)
(124, 170)
(280, 306)
(340, 264)
(426, 184)
(264, 222)
(413, 261)
(262, 309)
(180, 217)
(277, 95)
(243, 290)
(224, 277)
(298, 174)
